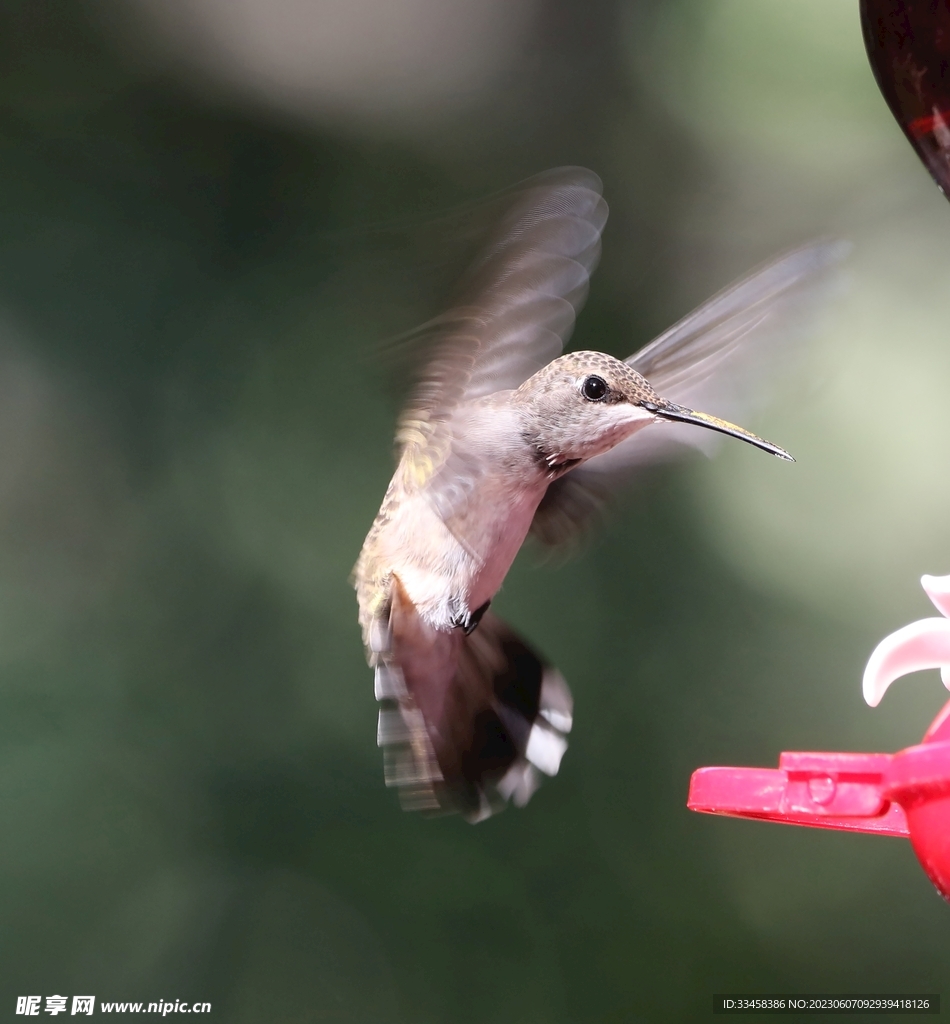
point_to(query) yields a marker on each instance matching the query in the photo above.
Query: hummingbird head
(583, 404)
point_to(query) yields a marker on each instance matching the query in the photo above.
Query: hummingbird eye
(594, 388)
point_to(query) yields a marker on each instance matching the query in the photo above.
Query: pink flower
(921, 645)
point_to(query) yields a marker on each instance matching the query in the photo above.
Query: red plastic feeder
(907, 793)
(903, 794)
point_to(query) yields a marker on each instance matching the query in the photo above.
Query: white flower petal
(938, 590)
(921, 645)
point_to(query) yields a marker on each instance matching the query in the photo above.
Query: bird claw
(470, 620)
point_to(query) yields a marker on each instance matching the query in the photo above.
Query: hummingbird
(502, 437)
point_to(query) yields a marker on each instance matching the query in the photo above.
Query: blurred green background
(195, 434)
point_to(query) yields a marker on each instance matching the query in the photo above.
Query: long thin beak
(669, 411)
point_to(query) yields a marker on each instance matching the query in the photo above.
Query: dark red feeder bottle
(908, 45)
(903, 794)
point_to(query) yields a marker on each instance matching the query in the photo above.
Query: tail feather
(469, 723)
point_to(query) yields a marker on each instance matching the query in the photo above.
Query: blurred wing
(517, 303)
(720, 359)
(686, 358)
